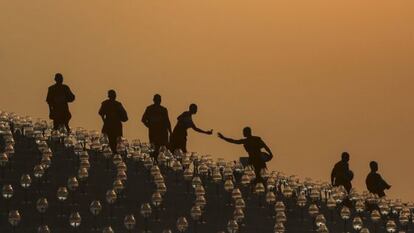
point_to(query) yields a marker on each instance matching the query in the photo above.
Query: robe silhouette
(376, 184)
(341, 175)
(58, 97)
(253, 146)
(178, 138)
(113, 114)
(156, 119)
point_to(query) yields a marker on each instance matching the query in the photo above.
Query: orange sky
(312, 78)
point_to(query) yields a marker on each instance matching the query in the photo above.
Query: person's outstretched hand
(210, 132)
(220, 135)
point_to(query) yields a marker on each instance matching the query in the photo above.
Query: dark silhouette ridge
(178, 138)
(113, 114)
(253, 146)
(156, 119)
(375, 183)
(58, 97)
(341, 175)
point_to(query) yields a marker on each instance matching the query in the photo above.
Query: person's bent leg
(67, 127)
(257, 170)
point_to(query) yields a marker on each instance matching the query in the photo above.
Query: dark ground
(138, 190)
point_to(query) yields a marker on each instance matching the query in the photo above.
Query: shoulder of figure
(257, 138)
(182, 116)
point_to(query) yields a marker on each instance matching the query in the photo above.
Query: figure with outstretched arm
(113, 114)
(253, 146)
(178, 138)
(156, 119)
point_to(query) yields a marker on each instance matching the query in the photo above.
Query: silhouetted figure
(375, 183)
(178, 138)
(341, 175)
(156, 119)
(253, 145)
(58, 97)
(113, 114)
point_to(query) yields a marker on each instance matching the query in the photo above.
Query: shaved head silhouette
(157, 99)
(58, 78)
(112, 94)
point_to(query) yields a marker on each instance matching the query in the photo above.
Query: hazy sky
(312, 78)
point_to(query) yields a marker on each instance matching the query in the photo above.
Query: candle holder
(279, 227)
(62, 195)
(110, 199)
(95, 208)
(391, 226)
(357, 223)
(25, 183)
(108, 230)
(238, 215)
(7, 193)
(375, 217)
(38, 172)
(43, 229)
(156, 199)
(195, 215)
(182, 224)
(4, 160)
(129, 222)
(232, 226)
(146, 212)
(14, 219)
(41, 205)
(73, 185)
(75, 221)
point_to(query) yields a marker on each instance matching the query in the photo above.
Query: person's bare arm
(384, 183)
(208, 132)
(230, 140)
(267, 149)
(69, 94)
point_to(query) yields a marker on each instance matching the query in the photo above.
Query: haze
(313, 78)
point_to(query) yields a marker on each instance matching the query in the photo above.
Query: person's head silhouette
(58, 78)
(193, 108)
(345, 156)
(111, 94)
(247, 132)
(374, 166)
(157, 99)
